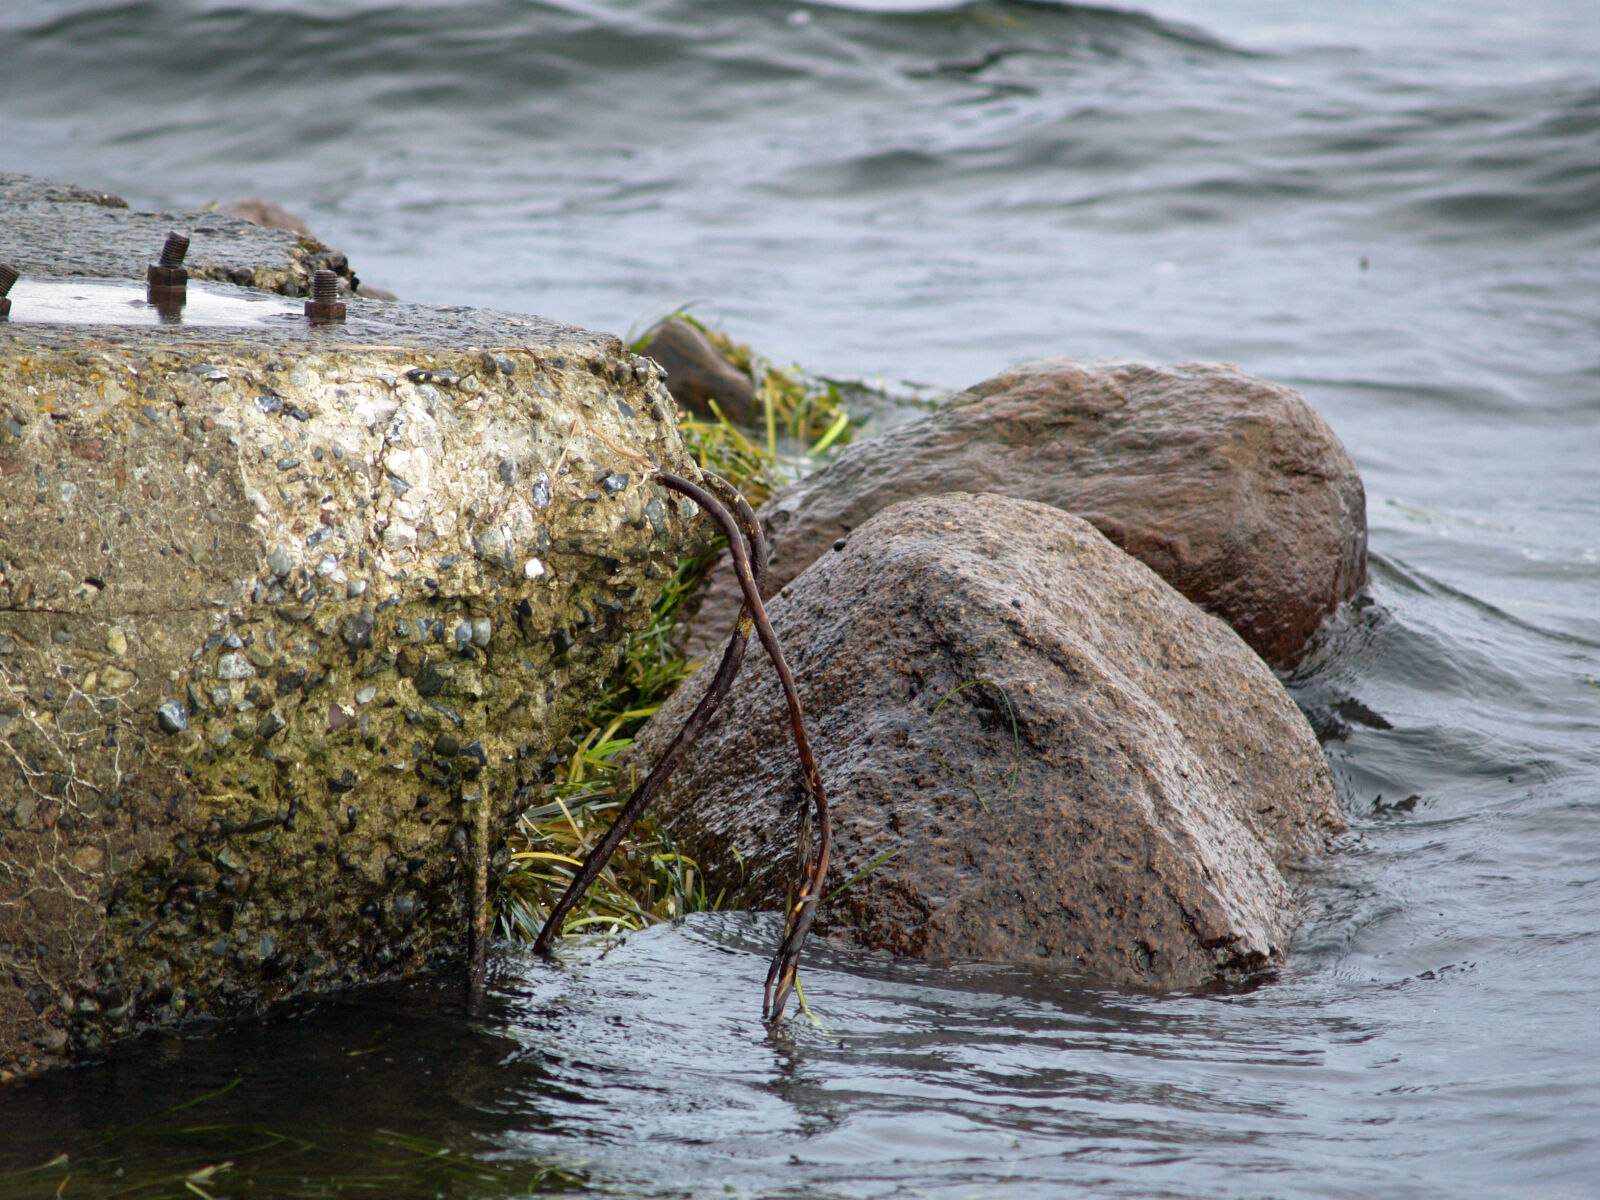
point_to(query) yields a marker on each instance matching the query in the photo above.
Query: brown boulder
(266, 214)
(1232, 489)
(1138, 827)
(697, 374)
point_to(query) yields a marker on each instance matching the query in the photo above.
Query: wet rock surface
(277, 606)
(698, 374)
(1231, 488)
(58, 229)
(1138, 828)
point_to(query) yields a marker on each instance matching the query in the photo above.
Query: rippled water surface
(1393, 206)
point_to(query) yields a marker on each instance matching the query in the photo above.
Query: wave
(1123, 117)
(189, 42)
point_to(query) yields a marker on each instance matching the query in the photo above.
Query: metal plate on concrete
(110, 302)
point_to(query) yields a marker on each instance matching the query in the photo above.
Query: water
(1393, 206)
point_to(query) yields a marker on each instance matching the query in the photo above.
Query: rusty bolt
(173, 250)
(169, 276)
(324, 307)
(8, 276)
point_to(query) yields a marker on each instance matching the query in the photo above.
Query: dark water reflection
(645, 1067)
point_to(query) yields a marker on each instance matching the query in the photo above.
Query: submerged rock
(1135, 824)
(231, 562)
(1232, 489)
(698, 374)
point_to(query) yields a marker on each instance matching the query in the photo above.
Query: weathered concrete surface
(1231, 488)
(1164, 780)
(275, 605)
(49, 228)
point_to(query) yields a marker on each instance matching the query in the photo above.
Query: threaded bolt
(324, 306)
(168, 280)
(173, 251)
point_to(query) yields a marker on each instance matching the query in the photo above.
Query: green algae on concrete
(276, 607)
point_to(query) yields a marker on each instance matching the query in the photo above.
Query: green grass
(648, 880)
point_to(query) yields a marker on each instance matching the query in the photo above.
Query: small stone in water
(482, 630)
(463, 634)
(366, 695)
(357, 588)
(172, 716)
(280, 561)
(533, 568)
(117, 642)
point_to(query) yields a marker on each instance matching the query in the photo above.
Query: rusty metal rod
(478, 926)
(732, 659)
(785, 964)
(750, 524)
(721, 683)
